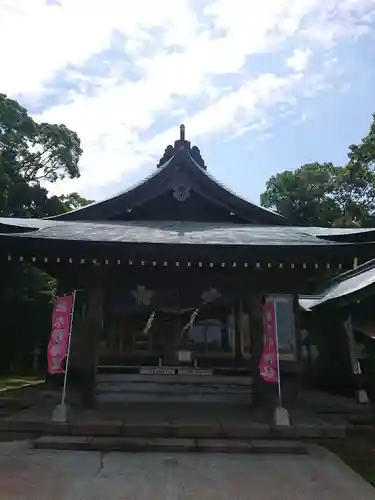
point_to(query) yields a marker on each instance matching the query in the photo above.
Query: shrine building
(171, 274)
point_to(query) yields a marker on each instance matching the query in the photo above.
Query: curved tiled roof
(181, 156)
(181, 232)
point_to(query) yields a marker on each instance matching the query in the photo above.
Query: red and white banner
(268, 365)
(59, 341)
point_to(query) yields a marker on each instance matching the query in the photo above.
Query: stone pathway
(315, 418)
(27, 474)
(167, 420)
(126, 444)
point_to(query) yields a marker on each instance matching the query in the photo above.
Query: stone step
(179, 379)
(135, 388)
(152, 387)
(125, 397)
(129, 444)
(9, 403)
(16, 428)
(17, 436)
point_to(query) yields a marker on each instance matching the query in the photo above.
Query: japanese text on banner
(59, 341)
(268, 365)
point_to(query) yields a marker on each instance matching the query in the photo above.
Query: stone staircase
(187, 388)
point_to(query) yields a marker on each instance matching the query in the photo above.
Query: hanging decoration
(149, 322)
(142, 296)
(176, 311)
(210, 295)
(191, 321)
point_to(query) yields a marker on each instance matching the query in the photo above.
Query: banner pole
(361, 393)
(69, 342)
(277, 354)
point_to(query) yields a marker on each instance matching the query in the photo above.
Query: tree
(73, 201)
(327, 195)
(363, 154)
(31, 153)
(322, 195)
(41, 151)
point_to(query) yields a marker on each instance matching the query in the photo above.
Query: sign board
(184, 356)
(193, 371)
(157, 371)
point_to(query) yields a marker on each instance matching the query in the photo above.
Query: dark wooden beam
(237, 333)
(91, 333)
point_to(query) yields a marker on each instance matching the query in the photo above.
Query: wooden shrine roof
(181, 166)
(348, 287)
(175, 240)
(164, 232)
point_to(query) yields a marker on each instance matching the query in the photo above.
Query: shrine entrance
(170, 335)
(168, 332)
(155, 338)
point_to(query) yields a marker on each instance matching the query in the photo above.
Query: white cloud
(246, 103)
(299, 60)
(181, 53)
(47, 37)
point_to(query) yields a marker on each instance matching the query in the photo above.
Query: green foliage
(30, 153)
(73, 201)
(327, 195)
(25, 308)
(363, 154)
(40, 151)
(25, 282)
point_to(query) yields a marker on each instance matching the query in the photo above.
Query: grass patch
(358, 452)
(16, 382)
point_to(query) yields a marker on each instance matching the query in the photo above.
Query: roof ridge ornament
(182, 132)
(184, 145)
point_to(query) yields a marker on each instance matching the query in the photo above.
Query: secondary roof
(346, 288)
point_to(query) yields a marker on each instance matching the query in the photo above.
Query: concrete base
(281, 417)
(362, 396)
(60, 413)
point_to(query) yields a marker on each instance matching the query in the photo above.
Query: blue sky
(261, 86)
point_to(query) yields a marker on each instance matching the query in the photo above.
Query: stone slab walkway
(126, 444)
(27, 474)
(194, 423)
(171, 420)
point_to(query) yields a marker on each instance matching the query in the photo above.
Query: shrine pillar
(91, 332)
(238, 355)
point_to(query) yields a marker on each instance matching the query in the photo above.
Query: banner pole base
(362, 397)
(60, 413)
(281, 417)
